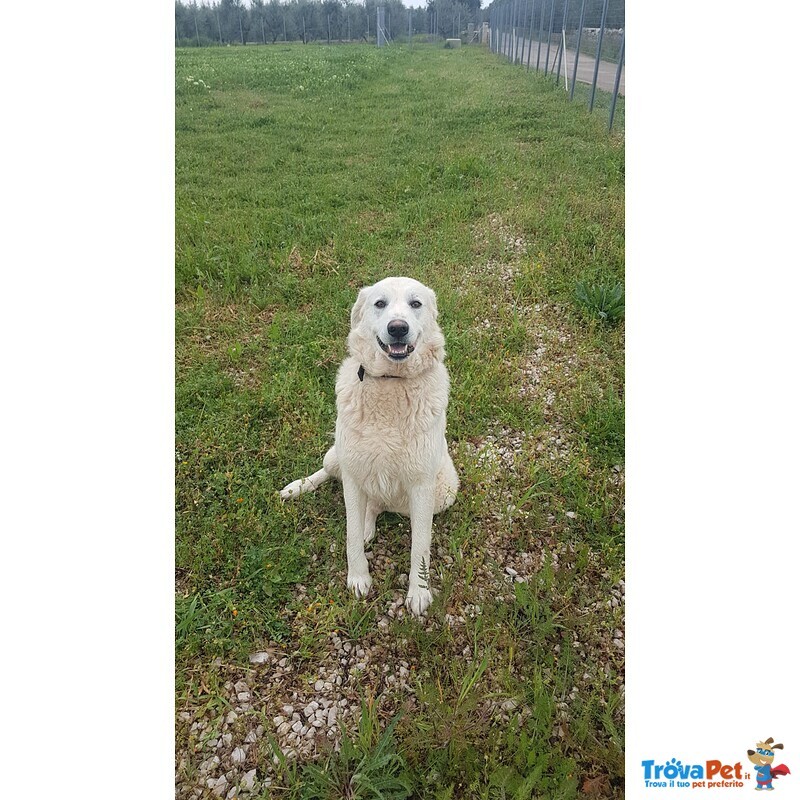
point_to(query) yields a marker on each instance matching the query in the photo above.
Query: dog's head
(765, 752)
(393, 329)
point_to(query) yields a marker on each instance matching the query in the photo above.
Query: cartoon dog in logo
(762, 757)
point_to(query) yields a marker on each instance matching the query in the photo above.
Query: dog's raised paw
(418, 600)
(359, 583)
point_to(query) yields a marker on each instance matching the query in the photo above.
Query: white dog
(390, 450)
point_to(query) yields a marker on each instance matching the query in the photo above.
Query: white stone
(248, 780)
(209, 765)
(259, 658)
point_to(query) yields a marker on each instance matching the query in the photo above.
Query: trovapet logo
(717, 774)
(675, 774)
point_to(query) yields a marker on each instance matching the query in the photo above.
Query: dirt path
(605, 75)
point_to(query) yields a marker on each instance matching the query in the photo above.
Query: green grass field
(303, 173)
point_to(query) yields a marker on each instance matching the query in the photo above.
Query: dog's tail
(330, 469)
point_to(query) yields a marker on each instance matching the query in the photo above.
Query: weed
(605, 301)
(367, 766)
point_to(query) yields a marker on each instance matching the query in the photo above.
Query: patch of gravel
(229, 754)
(494, 229)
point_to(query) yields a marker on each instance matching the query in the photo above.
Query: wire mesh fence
(580, 44)
(234, 22)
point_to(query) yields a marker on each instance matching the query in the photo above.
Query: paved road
(605, 74)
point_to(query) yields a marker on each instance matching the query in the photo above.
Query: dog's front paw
(418, 600)
(359, 583)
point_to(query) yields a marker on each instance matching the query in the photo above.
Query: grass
(303, 173)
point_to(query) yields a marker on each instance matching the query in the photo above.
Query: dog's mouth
(396, 350)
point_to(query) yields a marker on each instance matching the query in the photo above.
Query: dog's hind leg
(330, 469)
(446, 485)
(331, 464)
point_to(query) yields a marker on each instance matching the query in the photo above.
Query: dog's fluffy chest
(389, 431)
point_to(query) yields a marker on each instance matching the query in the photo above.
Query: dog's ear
(357, 312)
(432, 303)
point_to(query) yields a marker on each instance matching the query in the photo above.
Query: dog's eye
(380, 304)
(415, 304)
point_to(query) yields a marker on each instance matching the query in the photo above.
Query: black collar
(362, 372)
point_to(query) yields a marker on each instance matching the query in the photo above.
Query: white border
(88, 399)
(713, 429)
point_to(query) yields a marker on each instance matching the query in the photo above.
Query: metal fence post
(530, 33)
(501, 33)
(499, 46)
(514, 26)
(381, 29)
(527, 37)
(509, 40)
(597, 56)
(616, 81)
(541, 32)
(577, 51)
(561, 51)
(549, 36)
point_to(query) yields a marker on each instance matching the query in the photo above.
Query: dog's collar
(362, 372)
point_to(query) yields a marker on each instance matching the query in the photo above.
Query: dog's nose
(397, 328)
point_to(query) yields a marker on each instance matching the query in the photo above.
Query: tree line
(229, 22)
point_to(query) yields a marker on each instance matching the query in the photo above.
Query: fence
(221, 23)
(578, 42)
